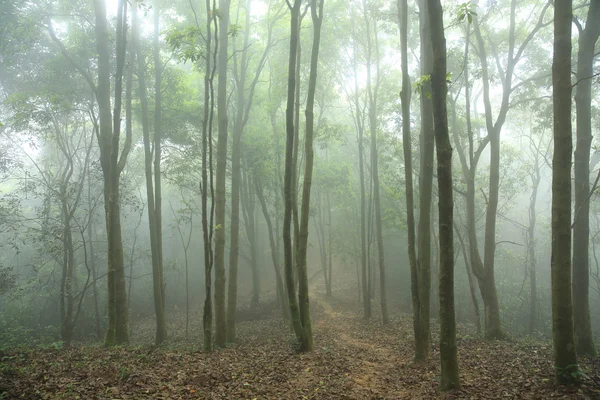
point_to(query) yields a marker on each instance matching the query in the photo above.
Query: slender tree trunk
(319, 229)
(161, 330)
(248, 205)
(581, 226)
(274, 250)
(221, 172)
(485, 275)
(185, 244)
(157, 162)
(288, 174)
(90, 232)
(472, 289)
(236, 143)
(373, 124)
(329, 244)
(565, 358)
(112, 165)
(405, 96)
(295, 175)
(306, 344)
(535, 180)
(366, 297)
(66, 287)
(426, 188)
(207, 184)
(448, 350)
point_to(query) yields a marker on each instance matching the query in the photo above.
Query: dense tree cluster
(248, 151)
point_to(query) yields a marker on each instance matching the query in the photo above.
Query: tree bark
(306, 344)
(531, 245)
(565, 358)
(248, 205)
(161, 330)
(360, 127)
(425, 187)
(581, 226)
(112, 164)
(207, 183)
(234, 249)
(288, 175)
(221, 172)
(405, 96)
(373, 125)
(448, 350)
(274, 250)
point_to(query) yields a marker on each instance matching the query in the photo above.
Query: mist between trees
(172, 173)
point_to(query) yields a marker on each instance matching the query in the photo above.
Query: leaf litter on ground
(353, 359)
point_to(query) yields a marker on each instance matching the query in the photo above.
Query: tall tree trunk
(90, 232)
(405, 96)
(374, 124)
(565, 358)
(425, 188)
(161, 330)
(485, 275)
(288, 174)
(329, 244)
(157, 163)
(531, 256)
(207, 178)
(236, 143)
(66, 287)
(296, 152)
(112, 164)
(472, 289)
(360, 126)
(274, 249)
(248, 205)
(306, 343)
(581, 226)
(221, 172)
(448, 350)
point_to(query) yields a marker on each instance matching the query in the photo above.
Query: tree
(373, 125)
(220, 194)
(244, 100)
(484, 270)
(565, 358)
(154, 201)
(288, 192)
(306, 342)
(448, 350)
(534, 172)
(358, 115)
(405, 96)
(207, 185)
(112, 165)
(425, 186)
(112, 160)
(588, 37)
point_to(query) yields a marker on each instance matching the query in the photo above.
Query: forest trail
(353, 359)
(376, 359)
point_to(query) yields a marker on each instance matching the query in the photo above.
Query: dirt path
(374, 360)
(353, 359)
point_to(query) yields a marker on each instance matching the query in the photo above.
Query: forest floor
(352, 360)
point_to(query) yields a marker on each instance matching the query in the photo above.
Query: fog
(178, 174)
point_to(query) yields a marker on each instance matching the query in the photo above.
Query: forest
(299, 199)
